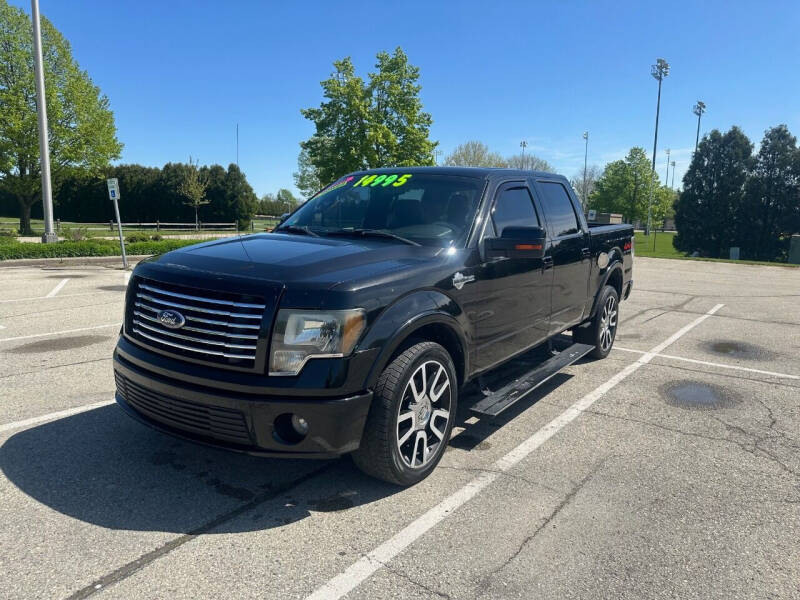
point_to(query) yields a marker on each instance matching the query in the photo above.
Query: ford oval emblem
(171, 319)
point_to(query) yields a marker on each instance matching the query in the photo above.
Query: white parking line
(52, 416)
(361, 570)
(57, 289)
(712, 364)
(92, 293)
(127, 277)
(36, 335)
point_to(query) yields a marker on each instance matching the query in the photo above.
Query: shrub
(157, 237)
(13, 249)
(136, 236)
(74, 234)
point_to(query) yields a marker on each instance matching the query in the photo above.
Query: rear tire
(601, 331)
(411, 417)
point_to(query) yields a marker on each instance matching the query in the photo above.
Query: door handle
(585, 252)
(547, 263)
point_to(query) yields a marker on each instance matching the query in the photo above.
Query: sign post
(113, 195)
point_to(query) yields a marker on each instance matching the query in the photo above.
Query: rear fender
(613, 270)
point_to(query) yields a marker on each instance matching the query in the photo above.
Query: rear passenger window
(514, 208)
(558, 210)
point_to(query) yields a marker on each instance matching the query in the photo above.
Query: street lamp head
(586, 135)
(668, 153)
(699, 108)
(660, 69)
(523, 144)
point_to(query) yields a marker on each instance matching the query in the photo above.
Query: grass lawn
(665, 249)
(663, 245)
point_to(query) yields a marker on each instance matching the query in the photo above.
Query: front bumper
(239, 421)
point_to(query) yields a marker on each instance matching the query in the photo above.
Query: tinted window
(557, 206)
(514, 208)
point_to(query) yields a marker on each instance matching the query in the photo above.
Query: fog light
(300, 425)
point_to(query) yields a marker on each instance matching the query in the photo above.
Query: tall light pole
(667, 178)
(44, 144)
(659, 71)
(672, 186)
(585, 157)
(523, 144)
(698, 109)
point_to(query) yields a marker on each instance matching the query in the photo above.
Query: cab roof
(475, 172)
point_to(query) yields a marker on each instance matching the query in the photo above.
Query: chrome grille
(220, 327)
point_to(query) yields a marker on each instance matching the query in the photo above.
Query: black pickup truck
(352, 326)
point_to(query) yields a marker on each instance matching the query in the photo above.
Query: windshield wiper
(304, 229)
(373, 233)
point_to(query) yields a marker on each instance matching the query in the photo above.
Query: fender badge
(459, 279)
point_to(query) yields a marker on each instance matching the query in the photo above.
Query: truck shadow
(104, 468)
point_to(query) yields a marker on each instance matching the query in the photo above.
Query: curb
(68, 261)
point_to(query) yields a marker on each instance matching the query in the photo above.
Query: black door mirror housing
(517, 242)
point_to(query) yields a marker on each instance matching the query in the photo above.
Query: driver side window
(513, 208)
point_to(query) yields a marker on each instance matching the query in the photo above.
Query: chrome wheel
(423, 414)
(608, 323)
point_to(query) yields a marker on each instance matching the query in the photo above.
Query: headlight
(303, 334)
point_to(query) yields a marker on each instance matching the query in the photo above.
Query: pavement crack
(411, 580)
(754, 449)
(128, 569)
(547, 520)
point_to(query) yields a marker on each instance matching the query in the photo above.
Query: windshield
(430, 210)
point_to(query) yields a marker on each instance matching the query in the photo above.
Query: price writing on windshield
(382, 180)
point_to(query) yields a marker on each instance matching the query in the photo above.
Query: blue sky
(180, 75)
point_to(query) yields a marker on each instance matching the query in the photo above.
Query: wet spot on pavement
(737, 349)
(62, 343)
(694, 395)
(113, 288)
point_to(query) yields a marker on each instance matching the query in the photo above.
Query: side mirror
(283, 217)
(517, 242)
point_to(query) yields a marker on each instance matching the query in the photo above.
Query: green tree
(624, 187)
(370, 124)
(771, 211)
(306, 178)
(82, 131)
(240, 200)
(709, 212)
(193, 189)
(474, 154)
(528, 162)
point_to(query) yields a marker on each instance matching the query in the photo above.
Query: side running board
(496, 402)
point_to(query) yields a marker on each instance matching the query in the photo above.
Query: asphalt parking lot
(669, 470)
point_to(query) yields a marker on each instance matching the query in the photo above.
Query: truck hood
(302, 260)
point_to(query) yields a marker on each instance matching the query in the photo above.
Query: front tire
(411, 417)
(601, 331)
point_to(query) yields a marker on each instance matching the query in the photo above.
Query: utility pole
(667, 177)
(585, 157)
(237, 144)
(44, 144)
(698, 109)
(523, 144)
(659, 71)
(672, 187)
